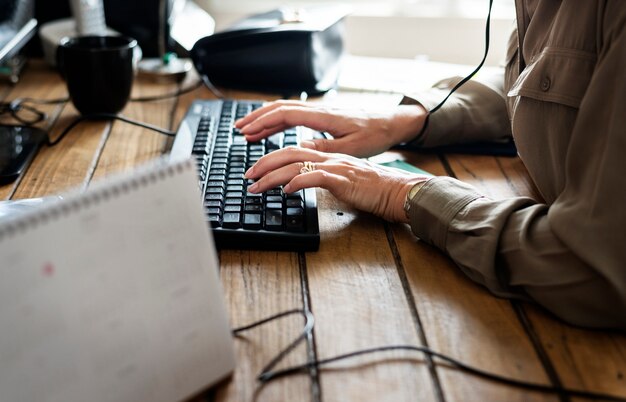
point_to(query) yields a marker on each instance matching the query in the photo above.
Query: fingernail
(307, 144)
(286, 188)
(248, 173)
(253, 187)
(237, 122)
(245, 129)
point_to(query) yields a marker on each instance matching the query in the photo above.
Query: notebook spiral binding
(143, 177)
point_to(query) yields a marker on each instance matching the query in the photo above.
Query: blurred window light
(405, 8)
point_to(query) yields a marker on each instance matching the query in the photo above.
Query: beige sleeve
(475, 112)
(568, 256)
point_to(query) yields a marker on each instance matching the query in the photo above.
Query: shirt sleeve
(476, 112)
(567, 256)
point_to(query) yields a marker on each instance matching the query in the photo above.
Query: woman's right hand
(356, 132)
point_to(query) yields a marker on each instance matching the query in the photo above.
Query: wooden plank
(258, 285)
(359, 303)
(464, 321)
(583, 359)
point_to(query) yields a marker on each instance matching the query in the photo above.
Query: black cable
(308, 328)
(469, 77)
(218, 94)
(174, 94)
(107, 116)
(267, 375)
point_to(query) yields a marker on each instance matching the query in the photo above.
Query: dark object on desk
(282, 52)
(98, 70)
(18, 146)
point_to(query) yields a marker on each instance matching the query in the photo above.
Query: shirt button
(545, 84)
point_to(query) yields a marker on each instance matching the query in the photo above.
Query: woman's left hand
(362, 184)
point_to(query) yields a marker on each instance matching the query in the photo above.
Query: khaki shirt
(563, 98)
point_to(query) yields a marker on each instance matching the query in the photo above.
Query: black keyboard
(273, 220)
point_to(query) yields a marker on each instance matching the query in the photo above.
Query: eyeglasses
(25, 114)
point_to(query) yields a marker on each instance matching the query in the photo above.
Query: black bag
(276, 52)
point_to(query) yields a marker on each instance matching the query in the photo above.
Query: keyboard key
(273, 219)
(213, 197)
(215, 190)
(235, 194)
(252, 221)
(232, 208)
(236, 182)
(294, 211)
(254, 200)
(294, 221)
(231, 220)
(274, 198)
(294, 203)
(234, 188)
(214, 220)
(296, 195)
(274, 205)
(254, 208)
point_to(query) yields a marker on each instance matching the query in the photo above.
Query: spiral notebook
(113, 294)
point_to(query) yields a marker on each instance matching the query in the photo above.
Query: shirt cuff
(435, 206)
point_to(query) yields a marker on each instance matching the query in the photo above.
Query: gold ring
(308, 167)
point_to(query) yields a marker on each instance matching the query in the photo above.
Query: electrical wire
(107, 116)
(480, 65)
(218, 94)
(308, 328)
(268, 375)
(174, 94)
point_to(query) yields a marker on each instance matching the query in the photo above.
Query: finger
(265, 133)
(339, 145)
(264, 109)
(317, 178)
(348, 145)
(291, 116)
(283, 157)
(276, 177)
(293, 180)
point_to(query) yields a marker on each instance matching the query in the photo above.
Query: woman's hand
(356, 133)
(362, 184)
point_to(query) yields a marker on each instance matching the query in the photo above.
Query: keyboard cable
(268, 374)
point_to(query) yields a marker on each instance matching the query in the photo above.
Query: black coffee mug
(99, 71)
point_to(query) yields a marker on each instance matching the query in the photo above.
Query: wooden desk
(370, 284)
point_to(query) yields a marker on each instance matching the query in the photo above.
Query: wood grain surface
(371, 283)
